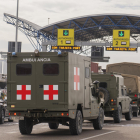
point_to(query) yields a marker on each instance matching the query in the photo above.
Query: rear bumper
(110, 108)
(39, 114)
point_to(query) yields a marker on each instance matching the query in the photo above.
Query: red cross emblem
(76, 78)
(50, 92)
(23, 92)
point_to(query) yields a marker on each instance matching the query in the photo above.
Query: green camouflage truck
(118, 102)
(131, 74)
(54, 88)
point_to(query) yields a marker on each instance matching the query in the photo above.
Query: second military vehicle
(131, 74)
(54, 88)
(112, 85)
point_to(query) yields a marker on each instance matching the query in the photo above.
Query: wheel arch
(80, 107)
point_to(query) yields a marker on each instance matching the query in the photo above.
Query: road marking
(98, 135)
(11, 132)
(44, 127)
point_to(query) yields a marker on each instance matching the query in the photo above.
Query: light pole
(16, 44)
(48, 21)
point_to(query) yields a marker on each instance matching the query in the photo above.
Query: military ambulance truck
(131, 74)
(118, 102)
(54, 88)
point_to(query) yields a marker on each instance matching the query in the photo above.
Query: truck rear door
(36, 82)
(21, 82)
(50, 82)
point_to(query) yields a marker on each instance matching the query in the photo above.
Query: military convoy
(118, 102)
(131, 75)
(54, 88)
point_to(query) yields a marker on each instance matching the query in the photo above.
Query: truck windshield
(50, 69)
(2, 85)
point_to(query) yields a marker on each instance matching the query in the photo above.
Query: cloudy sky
(38, 11)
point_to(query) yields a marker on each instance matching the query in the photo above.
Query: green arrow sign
(121, 33)
(65, 32)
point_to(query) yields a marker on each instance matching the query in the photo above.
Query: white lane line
(44, 127)
(11, 132)
(98, 135)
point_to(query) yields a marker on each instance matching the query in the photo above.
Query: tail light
(62, 114)
(113, 102)
(134, 102)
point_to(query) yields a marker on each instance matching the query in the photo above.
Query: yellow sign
(121, 38)
(65, 48)
(65, 37)
(120, 49)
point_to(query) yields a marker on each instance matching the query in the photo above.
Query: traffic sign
(65, 48)
(65, 37)
(120, 49)
(121, 38)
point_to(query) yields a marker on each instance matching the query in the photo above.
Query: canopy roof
(86, 28)
(95, 26)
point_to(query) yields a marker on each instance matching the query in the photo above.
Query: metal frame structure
(88, 28)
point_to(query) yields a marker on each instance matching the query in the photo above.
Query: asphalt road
(126, 130)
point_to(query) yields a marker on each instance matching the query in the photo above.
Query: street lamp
(16, 44)
(48, 21)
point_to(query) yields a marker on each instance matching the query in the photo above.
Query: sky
(38, 12)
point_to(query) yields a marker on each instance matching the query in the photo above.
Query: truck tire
(98, 123)
(75, 125)
(2, 117)
(129, 115)
(25, 126)
(135, 114)
(117, 115)
(53, 125)
(106, 94)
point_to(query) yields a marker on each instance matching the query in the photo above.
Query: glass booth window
(50, 69)
(23, 69)
(87, 72)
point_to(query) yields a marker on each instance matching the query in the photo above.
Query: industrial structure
(87, 28)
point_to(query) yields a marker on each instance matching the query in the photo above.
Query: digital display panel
(65, 48)
(120, 49)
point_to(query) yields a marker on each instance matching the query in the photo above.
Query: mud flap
(134, 108)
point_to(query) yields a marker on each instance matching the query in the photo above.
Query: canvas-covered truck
(54, 88)
(118, 102)
(124, 67)
(131, 73)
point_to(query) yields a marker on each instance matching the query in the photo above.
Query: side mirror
(96, 82)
